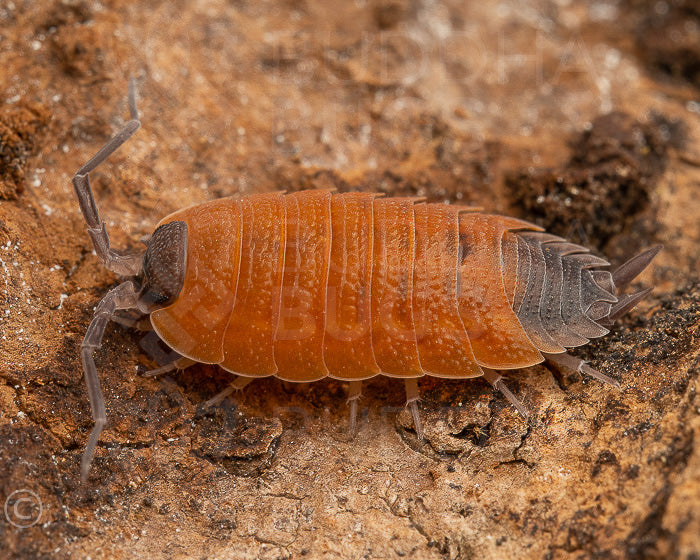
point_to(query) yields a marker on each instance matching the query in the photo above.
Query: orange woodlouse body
(314, 284)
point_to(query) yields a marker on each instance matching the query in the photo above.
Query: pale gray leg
(134, 320)
(239, 383)
(354, 394)
(572, 363)
(496, 382)
(179, 364)
(412, 398)
(125, 265)
(124, 296)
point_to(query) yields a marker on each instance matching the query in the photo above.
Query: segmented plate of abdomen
(313, 284)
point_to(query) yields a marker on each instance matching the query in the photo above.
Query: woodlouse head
(163, 268)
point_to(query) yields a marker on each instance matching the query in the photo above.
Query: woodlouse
(313, 284)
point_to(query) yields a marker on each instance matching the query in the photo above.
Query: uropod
(318, 284)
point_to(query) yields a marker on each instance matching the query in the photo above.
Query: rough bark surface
(583, 117)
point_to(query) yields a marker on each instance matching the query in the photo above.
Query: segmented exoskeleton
(316, 283)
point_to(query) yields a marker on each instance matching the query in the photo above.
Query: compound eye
(164, 266)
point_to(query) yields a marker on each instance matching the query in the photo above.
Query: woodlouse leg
(412, 398)
(176, 365)
(124, 296)
(496, 382)
(239, 383)
(354, 394)
(135, 319)
(126, 265)
(567, 361)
